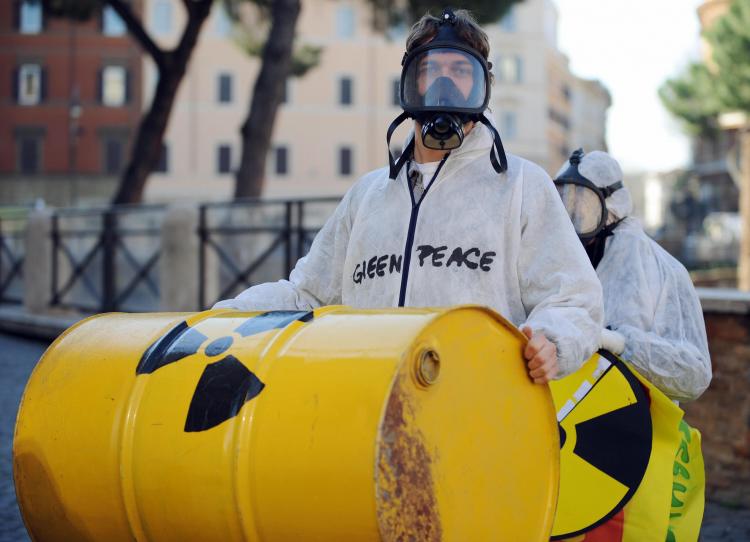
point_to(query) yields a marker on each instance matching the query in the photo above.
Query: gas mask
(586, 205)
(444, 85)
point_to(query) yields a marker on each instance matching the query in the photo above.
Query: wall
(722, 414)
(56, 190)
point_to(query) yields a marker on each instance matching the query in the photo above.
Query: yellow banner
(620, 480)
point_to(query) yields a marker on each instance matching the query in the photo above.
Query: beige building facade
(331, 128)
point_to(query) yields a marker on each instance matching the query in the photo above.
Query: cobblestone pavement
(725, 524)
(18, 357)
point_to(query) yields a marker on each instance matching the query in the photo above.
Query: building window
(223, 159)
(519, 68)
(559, 118)
(225, 88)
(566, 93)
(163, 165)
(509, 23)
(345, 22)
(508, 127)
(395, 92)
(30, 17)
(222, 22)
(281, 160)
(161, 17)
(286, 92)
(112, 24)
(29, 148)
(345, 161)
(510, 69)
(113, 86)
(29, 86)
(113, 155)
(345, 91)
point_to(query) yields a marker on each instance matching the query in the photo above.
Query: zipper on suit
(413, 225)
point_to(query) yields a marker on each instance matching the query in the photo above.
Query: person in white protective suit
(453, 221)
(652, 314)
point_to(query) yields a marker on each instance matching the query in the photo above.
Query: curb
(35, 326)
(724, 300)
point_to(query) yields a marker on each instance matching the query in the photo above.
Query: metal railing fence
(104, 259)
(254, 241)
(12, 255)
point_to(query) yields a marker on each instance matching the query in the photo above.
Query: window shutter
(100, 86)
(128, 89)
(16, 81)
(17, 15)
(44, 17)
(43, 85)
(345, 161)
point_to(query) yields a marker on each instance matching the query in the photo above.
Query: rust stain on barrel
(407, 507)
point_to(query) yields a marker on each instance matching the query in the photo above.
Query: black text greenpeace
(442, 256)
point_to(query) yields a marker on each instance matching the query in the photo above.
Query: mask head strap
(571, 174)
(611, 189)
(497, 152)
(596, 245)
(395, 166)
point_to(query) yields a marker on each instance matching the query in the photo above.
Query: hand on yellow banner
(541, 355)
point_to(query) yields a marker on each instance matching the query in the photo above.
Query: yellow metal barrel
(336, 424)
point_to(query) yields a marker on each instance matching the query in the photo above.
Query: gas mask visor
(444, 79)
(583, 200)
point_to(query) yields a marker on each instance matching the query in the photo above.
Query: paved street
(18, 357)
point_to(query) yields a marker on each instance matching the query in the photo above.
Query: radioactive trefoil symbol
(226, 384)
(614, 439)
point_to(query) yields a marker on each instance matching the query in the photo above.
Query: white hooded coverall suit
(649, 297)
(476, 237)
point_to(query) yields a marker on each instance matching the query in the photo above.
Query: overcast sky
(632, 46)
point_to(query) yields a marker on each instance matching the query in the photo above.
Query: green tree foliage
(691, 97)
(304, 56)
(730, 41)
(703, 91)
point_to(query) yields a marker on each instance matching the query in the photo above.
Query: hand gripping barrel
(330, 425)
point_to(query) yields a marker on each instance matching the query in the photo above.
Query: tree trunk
(146, 150)
(258, 126)
(743, 272)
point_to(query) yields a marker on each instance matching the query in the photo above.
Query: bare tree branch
(191, 31)
(146, 149)
(136, 29)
